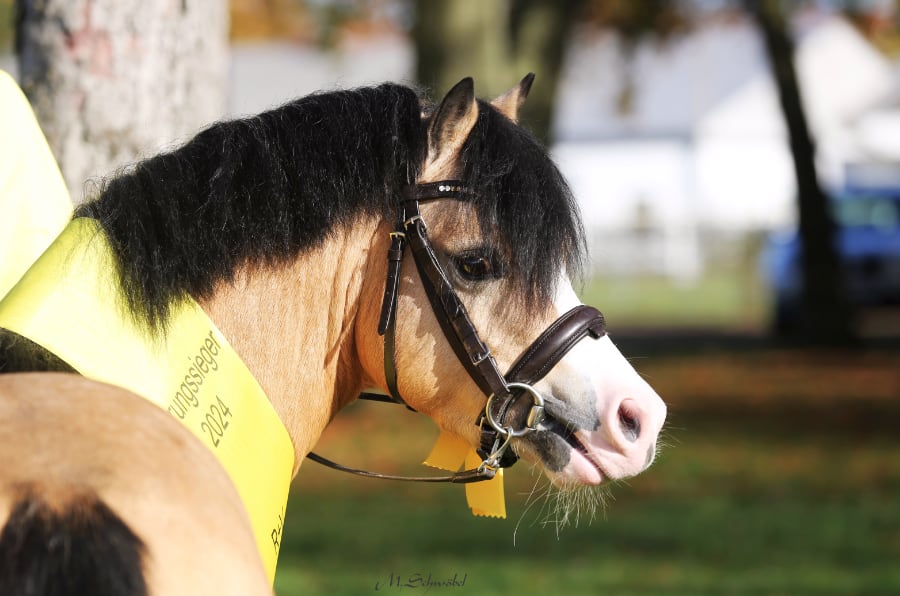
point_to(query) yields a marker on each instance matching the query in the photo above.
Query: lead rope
(485, 471)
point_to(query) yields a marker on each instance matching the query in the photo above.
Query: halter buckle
(414, 219)
(479, 358)
(534, 418)
(492, 460)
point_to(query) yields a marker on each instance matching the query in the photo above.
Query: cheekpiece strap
(408, 219)
(472, 352)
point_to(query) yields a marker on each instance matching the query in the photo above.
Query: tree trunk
(826, 315)
(497, 43)
(112, 81)
(463, 38)
(540, 33)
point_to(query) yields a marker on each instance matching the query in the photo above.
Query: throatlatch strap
(387, 325)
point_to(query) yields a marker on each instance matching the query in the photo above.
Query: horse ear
(510, 102)
(452, 122)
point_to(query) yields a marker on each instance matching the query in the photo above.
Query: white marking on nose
(624, 401)
(565, 299)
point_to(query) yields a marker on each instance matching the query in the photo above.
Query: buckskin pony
(177, 351)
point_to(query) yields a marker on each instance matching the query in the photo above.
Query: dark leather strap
(445, 189)
(391, 286)
(464, 477)
(555, 342)
(387, 324)
(472, 352)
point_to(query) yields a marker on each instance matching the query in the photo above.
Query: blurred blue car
(868, 245)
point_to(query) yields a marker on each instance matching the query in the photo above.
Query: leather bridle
(502, 391)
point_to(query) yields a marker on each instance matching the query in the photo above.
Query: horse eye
(476, 267)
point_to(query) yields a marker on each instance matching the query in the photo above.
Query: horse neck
(293, 327)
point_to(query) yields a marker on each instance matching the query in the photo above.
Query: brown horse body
(70, 445)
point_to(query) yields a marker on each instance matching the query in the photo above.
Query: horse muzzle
(544, 353)
(601, 419)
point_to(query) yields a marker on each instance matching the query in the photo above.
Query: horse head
(506, 247)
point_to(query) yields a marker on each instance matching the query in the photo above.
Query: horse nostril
(629, 423)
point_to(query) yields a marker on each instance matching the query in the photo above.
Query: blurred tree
(255, 20)
(112, 80)
(6, 12)
(635, 22)
(826, 314)
(879, 22)
(497, 43)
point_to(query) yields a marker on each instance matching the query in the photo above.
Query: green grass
(736, 505)
(712, 544)
(719, 298)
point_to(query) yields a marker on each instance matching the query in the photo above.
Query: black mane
(521, 193)
(264, 189)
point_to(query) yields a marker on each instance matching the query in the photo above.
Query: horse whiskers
(573, 503)
(564, 505)
(665, 440)
(531, 500)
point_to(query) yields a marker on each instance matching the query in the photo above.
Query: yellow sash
(34, 201)
(69, 303)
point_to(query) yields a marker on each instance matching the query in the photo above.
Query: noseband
(502, 391)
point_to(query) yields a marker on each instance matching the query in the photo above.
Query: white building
(705, 145)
